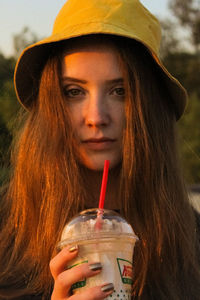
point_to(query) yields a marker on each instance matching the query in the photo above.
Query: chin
(98, 164)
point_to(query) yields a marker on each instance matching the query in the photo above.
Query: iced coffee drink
(102, 236)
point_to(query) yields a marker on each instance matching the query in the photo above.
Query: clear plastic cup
(102, 236)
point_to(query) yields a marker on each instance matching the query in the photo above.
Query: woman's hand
(63, 279)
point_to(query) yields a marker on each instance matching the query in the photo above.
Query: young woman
(96, 90)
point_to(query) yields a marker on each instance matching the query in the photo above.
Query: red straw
(104, 184)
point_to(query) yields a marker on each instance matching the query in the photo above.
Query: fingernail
(95, 267)
(107, 288)
(73, 248)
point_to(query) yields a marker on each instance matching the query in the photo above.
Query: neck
(93, 185)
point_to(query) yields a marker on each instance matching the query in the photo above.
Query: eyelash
(68, 91)
(80, 92)
(120, 89)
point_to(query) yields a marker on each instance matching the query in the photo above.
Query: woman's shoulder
(30, 297)
(197, 215)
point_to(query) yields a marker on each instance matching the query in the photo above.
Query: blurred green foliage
(187, 13)
(183, 63)
(181, 55)
(189, 127)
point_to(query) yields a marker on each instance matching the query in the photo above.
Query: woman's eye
(119, 91)
(74, 92)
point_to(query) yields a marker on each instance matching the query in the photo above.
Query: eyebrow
(111, 81)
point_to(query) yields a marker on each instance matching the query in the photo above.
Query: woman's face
(93, 86)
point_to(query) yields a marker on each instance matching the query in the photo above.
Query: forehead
(91, 56)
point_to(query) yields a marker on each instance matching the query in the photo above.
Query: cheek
(75, 115)
(120, 117)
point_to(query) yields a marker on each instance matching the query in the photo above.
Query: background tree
(188, 14)
(170, 43)
(184, 63)
(190, 140)
(8, 101)
(8, 109)
(23, 39)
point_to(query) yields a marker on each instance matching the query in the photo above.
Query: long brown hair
(47, 187)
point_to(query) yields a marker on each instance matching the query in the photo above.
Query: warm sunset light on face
(93, 86)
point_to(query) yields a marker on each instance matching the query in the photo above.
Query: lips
(100, 140)
(103, 143)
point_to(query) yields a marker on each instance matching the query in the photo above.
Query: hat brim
(33, 58)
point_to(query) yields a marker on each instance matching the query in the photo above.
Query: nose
(97, 111)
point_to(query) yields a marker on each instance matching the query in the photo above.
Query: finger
(59, 262)
(65, 279)
(95, 293)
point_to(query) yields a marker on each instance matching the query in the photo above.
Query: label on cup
(125, 273)
(126, 270)
(80, 283)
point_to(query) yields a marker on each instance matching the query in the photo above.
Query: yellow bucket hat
(127, 18)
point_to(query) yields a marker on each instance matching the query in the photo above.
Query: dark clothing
(198, 223)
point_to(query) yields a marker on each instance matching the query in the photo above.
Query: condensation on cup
(102, 236)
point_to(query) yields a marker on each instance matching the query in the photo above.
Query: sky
(39, 16)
